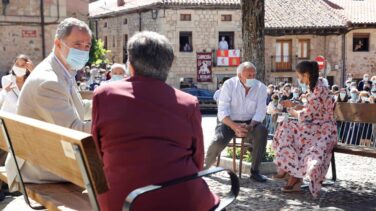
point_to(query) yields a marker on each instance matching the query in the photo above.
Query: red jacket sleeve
(198, 139)
(94, 125)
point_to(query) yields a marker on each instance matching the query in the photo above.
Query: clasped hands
(241, 129)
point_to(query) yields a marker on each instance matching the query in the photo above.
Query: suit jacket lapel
(75, 99)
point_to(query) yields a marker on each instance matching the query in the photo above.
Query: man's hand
(253, 124)
(240, 130)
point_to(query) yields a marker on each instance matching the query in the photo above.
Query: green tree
(98, 52)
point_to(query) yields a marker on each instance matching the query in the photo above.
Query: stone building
(295, 30)
(21, 28)
(361, 27)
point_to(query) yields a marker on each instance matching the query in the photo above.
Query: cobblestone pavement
(355, 189)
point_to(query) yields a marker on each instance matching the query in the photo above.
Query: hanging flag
(228, 58)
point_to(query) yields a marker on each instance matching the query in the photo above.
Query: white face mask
(342, 95)
(19, 71)
(250, 83)
(366, 78)
(364, 99)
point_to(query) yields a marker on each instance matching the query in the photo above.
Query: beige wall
(12, 40)
(205, 27)
(360, 63)
(327, 46)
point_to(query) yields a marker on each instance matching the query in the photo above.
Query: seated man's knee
(260, 128)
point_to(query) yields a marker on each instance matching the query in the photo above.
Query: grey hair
(65, 27)
(151, 55)
(117, 65)
(245, 65)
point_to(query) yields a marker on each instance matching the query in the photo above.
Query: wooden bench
(88, 95)
(361, 114)
(67, 153)
(73, 156)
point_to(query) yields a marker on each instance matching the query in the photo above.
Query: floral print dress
(304, 147)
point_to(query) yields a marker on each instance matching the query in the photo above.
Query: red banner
(204, 67)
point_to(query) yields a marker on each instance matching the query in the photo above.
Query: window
(283, 51)
(226, 40)
(360, 42)
(113, 41)
(125, 21)
(283, 59)
(105, 42)
(125, 40)
(226, 17)
(185, 42)
(185, 17)
(186, 83)
(303, 49)
(105, 25)
(125, 53)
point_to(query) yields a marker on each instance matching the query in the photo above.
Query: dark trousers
(224, 134)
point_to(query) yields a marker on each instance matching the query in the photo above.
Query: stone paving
(355, 189)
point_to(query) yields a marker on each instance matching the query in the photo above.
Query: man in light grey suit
(51, 94)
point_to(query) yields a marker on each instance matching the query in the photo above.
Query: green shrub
(268, 156)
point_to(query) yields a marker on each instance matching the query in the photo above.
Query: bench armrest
(227, 200)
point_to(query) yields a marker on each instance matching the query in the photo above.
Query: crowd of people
(149, 132)
(363, 91)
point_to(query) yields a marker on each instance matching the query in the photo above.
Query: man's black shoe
(257, 177)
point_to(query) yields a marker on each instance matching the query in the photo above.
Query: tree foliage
(98, 52)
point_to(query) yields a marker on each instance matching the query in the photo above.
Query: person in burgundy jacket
(148, 132)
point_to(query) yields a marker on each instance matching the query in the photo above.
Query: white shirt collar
(70, 74)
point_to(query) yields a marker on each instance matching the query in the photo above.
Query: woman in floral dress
(304, 147)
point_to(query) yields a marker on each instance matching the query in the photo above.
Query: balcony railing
(283, 63)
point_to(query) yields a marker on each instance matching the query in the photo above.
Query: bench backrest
(86, 95)
(51, 147)
(356, 123)
(356, 112)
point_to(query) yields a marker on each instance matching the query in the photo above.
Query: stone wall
(327, 46)
(205, 26)
(116, 30)
(20, 30)
(359, 63)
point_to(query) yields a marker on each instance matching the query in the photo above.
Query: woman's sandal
(293, 188)
(284, 176)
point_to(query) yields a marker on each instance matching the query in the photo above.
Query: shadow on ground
(343, 195)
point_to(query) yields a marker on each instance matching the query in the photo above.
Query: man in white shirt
(241, 110)
(223, 45)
